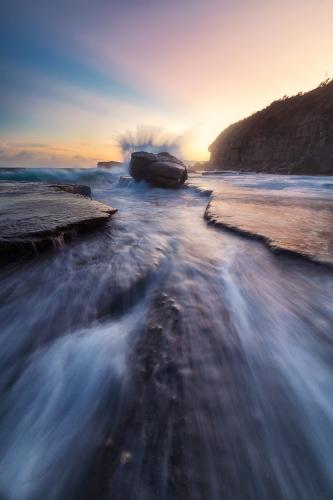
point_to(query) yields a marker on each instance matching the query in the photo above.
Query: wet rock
(285, 222)
(162, 169)
(38, 216)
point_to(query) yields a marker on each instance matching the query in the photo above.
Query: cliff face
(292, 135)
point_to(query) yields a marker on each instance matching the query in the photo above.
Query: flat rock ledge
(295, 224)
(35, 217)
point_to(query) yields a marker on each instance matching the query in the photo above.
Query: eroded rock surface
(162, 169)
(38, 216)
(285, 222)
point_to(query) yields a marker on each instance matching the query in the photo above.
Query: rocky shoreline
(39, 216)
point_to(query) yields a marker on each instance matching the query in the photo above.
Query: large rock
(162, 169)
(35, 216)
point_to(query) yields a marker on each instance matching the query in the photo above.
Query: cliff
(292, 135)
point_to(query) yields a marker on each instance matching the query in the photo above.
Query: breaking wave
(64, 175)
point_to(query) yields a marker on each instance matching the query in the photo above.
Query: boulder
(162, 169)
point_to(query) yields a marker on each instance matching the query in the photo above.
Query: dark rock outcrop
(108, 164)
(36, 216)
(162, 169)
(293, 135)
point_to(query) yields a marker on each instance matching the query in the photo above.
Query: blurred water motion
(166, 359)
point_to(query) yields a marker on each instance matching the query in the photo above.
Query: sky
(77, 74)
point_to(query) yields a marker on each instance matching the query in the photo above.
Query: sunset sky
(75, 73)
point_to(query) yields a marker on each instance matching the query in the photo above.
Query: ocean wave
(65, 175)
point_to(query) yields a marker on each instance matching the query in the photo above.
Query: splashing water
(151, 139)
(164, 359)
